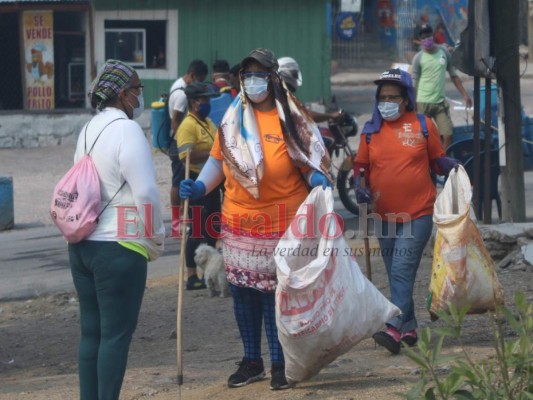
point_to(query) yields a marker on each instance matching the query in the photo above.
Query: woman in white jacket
(109, 267)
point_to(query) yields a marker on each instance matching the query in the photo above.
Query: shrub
(506, 376)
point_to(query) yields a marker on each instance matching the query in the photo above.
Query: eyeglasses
(140, 87)
(245, 75)
(395, 98)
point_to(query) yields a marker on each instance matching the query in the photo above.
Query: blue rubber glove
(362, 195)
(190, 189)
(319, 179)
(446, 164)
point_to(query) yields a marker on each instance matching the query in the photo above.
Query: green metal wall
(211, 29)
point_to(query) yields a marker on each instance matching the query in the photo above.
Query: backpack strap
(423, 126)
(123, 183)
(98, 137)
(110, 200)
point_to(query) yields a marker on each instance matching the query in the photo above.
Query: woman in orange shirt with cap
(269, 150)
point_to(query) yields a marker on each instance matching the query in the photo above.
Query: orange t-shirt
(281, 190)
(398, 157)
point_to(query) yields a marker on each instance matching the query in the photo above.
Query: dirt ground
(39, 336)
(38, 340)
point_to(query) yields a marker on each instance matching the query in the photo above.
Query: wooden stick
(183, 227)
(363, 220)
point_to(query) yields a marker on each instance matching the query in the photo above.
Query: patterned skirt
(249, 258)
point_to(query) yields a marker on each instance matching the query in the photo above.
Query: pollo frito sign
(38, 31)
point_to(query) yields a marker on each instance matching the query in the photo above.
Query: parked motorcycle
(336, 137)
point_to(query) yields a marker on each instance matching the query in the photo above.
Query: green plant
(506, 376)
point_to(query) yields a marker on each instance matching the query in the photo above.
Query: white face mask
(137, 111)
(389, 111)
(256, 88)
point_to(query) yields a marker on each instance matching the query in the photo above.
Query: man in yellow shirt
(197, 133)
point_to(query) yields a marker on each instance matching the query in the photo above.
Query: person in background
(197, 133)
(177, 107)
(289, 71)
(269, 151)
(221, 77)
(109, 267)
(234, 79)
(429, 75)
(439, 37)
(397, 150)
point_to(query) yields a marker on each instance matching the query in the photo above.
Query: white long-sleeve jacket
(122, 154)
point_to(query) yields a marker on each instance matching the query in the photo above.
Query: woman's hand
(362, 195)
(190, 189)
(319, 179)
(446, 164)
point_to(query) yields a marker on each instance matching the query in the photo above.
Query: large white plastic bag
(463, 272)
(324, 304)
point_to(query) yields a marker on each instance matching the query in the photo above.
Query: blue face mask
(204, 109)
(389, 111)
(256, 88)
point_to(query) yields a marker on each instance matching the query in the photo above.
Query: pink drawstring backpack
(75, 207)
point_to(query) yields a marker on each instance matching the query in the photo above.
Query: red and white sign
(38, 32)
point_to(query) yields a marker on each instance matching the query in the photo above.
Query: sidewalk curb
(355, 78)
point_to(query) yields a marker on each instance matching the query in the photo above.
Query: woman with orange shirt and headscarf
(269, 150)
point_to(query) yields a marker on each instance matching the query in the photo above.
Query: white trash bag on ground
(324, 304)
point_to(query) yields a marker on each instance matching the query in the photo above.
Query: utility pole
(507, 37)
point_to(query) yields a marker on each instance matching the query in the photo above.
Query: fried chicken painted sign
(38, 31)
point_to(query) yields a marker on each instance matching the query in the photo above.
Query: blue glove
(362, 195)
(319, 179)
(190, 189)
(446, 164)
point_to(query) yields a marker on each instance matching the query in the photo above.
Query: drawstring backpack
(75, 207)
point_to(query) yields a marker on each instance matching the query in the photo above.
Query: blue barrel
(7, 214)
(160, 126)
(493, 103)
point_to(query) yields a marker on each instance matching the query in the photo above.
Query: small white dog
(210, 261)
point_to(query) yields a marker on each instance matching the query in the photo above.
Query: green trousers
(110, 281)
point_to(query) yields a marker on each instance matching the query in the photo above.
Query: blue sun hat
(395, 76)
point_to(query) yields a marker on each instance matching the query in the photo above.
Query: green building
(56, 47)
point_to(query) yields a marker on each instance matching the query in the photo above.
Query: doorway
(10, 69)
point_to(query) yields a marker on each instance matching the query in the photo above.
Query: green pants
(110, 281)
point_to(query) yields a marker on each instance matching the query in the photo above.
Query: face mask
(389, 111)
(137, 111)
(427, 43)
(256, 88)
(204, 109)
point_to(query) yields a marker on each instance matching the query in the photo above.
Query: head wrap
(113, 77)
(398, 77)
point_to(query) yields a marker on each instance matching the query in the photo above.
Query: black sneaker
(195, 283)
(278, 380)
(248, 372)
(387, 341)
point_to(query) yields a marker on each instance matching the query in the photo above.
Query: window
(140, 43)
(128, 45)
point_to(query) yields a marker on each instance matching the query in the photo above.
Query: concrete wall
(25, 130)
